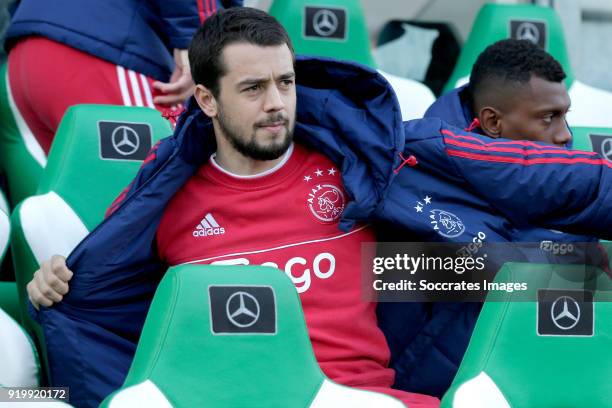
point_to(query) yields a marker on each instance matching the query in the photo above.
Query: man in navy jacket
(516, 92)
(350, 114)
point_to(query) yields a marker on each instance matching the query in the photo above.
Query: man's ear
(206, 101)
(490, 121)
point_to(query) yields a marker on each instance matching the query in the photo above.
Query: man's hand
(181, 84)
(50, 282)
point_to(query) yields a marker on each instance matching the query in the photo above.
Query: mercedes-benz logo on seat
(565, 312)
(606, 149)
(528, 31)
(533, 31)
(124, 141)
(242, 309)
(325, 22)
(602, 144)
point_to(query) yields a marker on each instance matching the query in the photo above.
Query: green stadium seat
(96, 153)
(22, 159)
(20, 367)
(5, 226)
(334, 29)
(590, 106)
(8, 288)
(496, 22)
(337, 29)
(598, 140)
(230, 336)
(9, 301)
(546, 353)
(594, 139)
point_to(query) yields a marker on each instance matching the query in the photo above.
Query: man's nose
(274, 100)
(564, 136)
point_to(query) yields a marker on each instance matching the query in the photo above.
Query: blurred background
(587, 25)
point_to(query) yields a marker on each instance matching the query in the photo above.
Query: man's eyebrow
(554, 108)
(287, 75)
(251, 81)
(259, 80)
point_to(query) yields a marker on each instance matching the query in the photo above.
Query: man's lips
(274, 127)
(274, 124)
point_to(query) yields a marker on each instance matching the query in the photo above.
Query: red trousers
(47, 77)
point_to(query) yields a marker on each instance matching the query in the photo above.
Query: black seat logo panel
(565, 313)
(325, 22)
(242, 309)
(124, 140)
(530, 30)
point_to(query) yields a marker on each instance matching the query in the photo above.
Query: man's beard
(249, 147)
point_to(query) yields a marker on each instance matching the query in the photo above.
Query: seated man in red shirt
(228, 212)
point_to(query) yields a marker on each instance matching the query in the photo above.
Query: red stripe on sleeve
(487, 147)
(152, 154)
(201, 11)
(117, 201)
(527, 162)
(508, 142)
(115, 204)
(149, 158)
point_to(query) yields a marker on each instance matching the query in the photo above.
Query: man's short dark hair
(513, 61)
(233, 25)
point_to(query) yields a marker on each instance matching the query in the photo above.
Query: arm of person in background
(181, 20)
(181, 86)
(535, 183)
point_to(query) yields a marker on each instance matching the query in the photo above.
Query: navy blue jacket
(136, 34)
(427, 360)
(349, 113)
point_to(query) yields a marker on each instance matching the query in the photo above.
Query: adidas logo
(207, 227)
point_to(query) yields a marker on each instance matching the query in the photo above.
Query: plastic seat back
(5, 227)
(594, 139)
(22, 159)
(335, 29)
(20, 366)
(495, 22)
(96, 153)
(545, 353)
(590, 106)
(230, 336)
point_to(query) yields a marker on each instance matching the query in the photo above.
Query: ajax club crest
(443, 222)
(326, 202)
(447, 224)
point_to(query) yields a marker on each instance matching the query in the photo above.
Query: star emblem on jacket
(420, 205)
